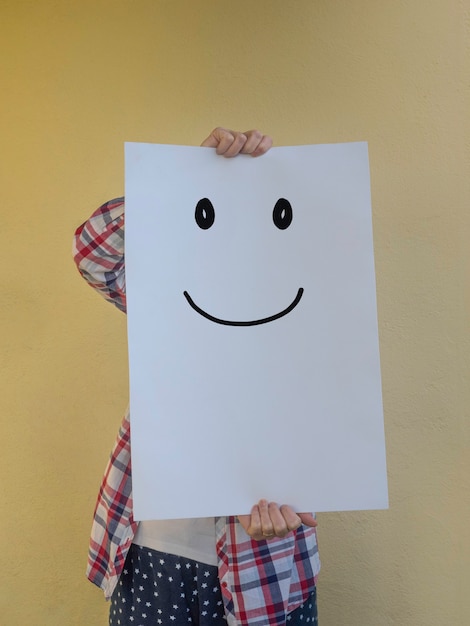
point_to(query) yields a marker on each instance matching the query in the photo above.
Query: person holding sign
(252, 570)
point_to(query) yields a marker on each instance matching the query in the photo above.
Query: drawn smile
(264, 320)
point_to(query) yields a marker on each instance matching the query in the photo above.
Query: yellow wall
(78, 78)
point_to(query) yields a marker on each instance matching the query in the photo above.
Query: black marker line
(265, 320)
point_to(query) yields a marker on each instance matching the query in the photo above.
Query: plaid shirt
(261, 581)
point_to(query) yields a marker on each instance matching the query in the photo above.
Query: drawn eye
(204, 214)
(282, 213)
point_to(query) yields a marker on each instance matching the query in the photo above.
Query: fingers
(308, 519)
(252, 523)
(226, 142)
(268, 520)
(267, 523)
(214, 138)
(293, 520)
(229, 143)
(256, 143)
(279, 521)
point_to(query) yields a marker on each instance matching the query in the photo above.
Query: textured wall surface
(78, 79)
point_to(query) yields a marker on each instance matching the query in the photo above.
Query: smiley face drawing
(252, 331)
(282, 218)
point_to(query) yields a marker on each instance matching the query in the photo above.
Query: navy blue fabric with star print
(161, 589)
(157, 588)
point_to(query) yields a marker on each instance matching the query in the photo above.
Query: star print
(144, 576)
(204, 585)
(148, 604)
(206, 602)
(162, 561)
(206, 574)
(178, 565)
(138, 600)
(172, 617)
(170, 578)
(141, 588)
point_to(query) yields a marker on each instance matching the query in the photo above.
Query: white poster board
(252, 330)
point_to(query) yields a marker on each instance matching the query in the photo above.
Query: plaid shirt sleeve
(263, 581)
(98, 251)
(113, 526)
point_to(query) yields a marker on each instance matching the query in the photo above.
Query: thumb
(308, 519)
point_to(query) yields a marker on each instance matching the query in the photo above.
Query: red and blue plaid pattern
(261, 581)
(99, 252)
